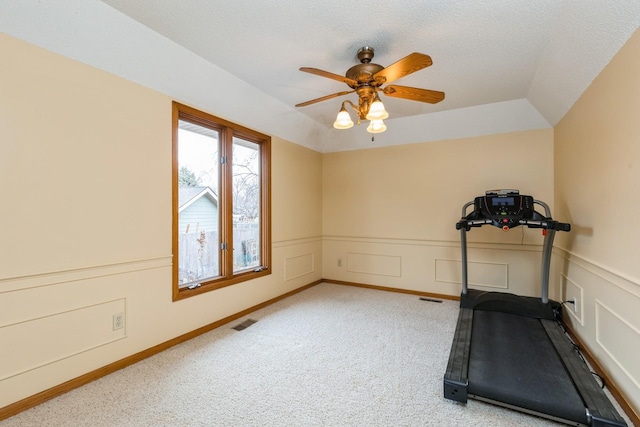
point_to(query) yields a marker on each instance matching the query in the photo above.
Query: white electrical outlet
(575, 304)
(118, 321)
(339, 262)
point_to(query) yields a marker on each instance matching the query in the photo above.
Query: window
(221, 203)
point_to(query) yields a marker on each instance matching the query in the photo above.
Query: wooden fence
(198, 252)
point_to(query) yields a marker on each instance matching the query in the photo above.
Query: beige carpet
(329, 356)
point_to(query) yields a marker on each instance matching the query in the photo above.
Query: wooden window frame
(228, 131)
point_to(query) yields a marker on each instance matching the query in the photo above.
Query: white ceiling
(505, 65)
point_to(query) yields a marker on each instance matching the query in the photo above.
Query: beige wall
(597, 152)
(85, 166)
(416, 191)
(389, 214)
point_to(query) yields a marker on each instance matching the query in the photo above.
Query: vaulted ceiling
(505, 65)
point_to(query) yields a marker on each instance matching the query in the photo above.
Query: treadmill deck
(513, 361)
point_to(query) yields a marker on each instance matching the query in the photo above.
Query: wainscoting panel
(41, 341)
(431, 266)
(484, 274)
(381, 265)
(615, 334)
(573, 292)
(299, 266)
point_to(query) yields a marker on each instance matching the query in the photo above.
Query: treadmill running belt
(513, 361)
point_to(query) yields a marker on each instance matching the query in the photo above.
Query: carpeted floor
(329, 356)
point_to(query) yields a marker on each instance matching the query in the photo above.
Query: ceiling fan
(366, 79)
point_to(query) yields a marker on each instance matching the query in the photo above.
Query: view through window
(246, 204)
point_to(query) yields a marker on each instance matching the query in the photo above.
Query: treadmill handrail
(464, 209)
(547, 210)
(531, 223)
(548, 224)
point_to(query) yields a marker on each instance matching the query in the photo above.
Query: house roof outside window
(189, 195)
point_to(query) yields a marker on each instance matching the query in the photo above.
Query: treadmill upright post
(463, 245)
(546, 264)
(463, 249)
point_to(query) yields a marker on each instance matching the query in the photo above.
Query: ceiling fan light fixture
(343, 120)
(377, 111)
(376, 126)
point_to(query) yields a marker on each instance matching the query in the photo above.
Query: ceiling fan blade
(407, 65)
(324, 98)
(414, 94)
(329, 75)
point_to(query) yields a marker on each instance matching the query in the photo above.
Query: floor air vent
(244, 325)
(430, 299)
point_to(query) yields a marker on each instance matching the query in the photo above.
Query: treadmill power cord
(558, 316)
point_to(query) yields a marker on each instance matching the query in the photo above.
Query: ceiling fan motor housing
(363, 72)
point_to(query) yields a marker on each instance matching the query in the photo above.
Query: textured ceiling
(483, 51)
(526, 61)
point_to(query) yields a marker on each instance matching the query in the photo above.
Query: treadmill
(511, 350)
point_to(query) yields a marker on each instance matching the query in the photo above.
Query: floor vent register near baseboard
(244, 325)
(430, 299)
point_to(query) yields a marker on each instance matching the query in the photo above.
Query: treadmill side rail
(456, 379)
(599, 408)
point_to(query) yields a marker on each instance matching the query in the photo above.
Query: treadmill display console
(504, 209)
(501, 206)
(507, 209)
